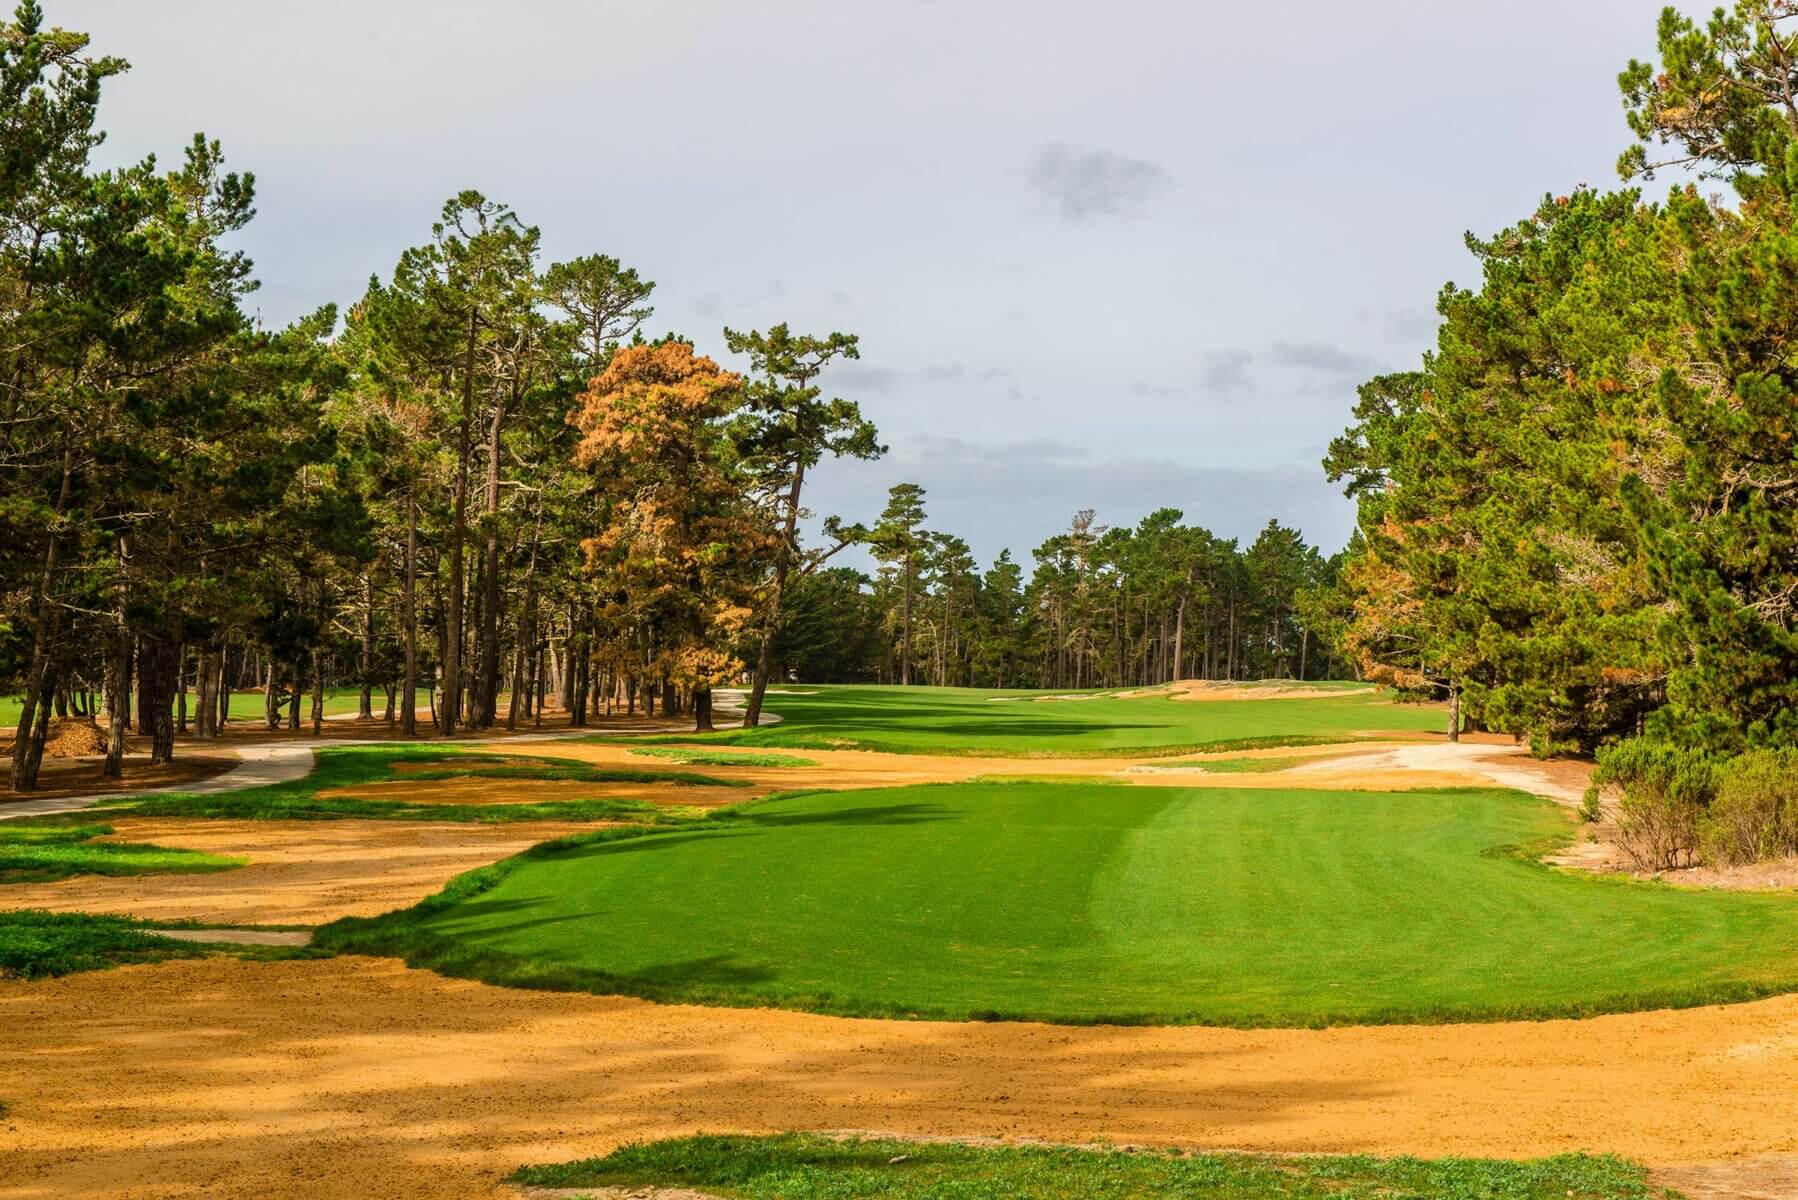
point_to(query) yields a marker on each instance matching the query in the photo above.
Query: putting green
(1089, 902)
(980, 721)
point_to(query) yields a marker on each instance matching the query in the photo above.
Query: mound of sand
(1211, 689)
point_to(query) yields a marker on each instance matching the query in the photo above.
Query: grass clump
(36, 944)
(37, 853)
(696, 757)
(346, 768)
(816, 1167)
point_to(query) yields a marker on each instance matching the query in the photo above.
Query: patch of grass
(1082, 903)
(693, 757)
(36, 944)
(349, 767)
(555, 769)
(36, 853)
(922, 720)
(815, 1167)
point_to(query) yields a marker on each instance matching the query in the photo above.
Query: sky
(1120, 256)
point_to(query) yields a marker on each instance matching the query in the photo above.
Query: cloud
(932, 449)
(1319, 356)
(1226, 371)
(727, 304)
(1086, 185)
(855, 376)
(1220, 373)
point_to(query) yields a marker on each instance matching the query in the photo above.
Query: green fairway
(978, 721)
(814, 1167)
(1090, 902)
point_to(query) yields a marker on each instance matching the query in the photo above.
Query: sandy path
(1505, 765)
(300, 872)
(1354, 768)
(286, 1079)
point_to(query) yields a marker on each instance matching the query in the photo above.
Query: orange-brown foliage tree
(681, 543)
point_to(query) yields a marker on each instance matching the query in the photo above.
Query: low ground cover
(346, 768)
(978, 721)
(1086, 902)
(1235, 766)
(35, 945)
(693, 756)
(38, 852)
(813, 1167)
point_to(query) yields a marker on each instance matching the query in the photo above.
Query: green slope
(1089, 902)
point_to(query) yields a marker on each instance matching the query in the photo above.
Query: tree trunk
(409, 618)
(452, 662)
(318, 694)
(28, 742)
(118, 688)
(905, 628)
(365, 701)
(205, 707)
(1454, 713)
(783, 561)
(702, 710)
(158, 671)
(271, 706)
(490, 606)
(181, 690)
(1179, 640)
(567, 664)
(223, 699)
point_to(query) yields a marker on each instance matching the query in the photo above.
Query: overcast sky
(1117, 256)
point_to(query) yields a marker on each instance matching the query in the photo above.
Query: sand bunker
(286, 1079)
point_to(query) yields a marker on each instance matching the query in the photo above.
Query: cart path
(264, 763)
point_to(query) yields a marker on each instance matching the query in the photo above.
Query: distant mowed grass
(1089, 902)
(981, 721)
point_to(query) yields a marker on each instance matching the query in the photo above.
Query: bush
(1755, 813)
(1666, 791)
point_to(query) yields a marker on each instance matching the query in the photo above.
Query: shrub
(1755, 813)
(1666, 791)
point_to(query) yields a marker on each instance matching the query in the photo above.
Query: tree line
(478, 491)
(1102, 607)
(1578, 520)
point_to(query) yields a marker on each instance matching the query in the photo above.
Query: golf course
(1098, 901)
(813, 601)
(1196, 863)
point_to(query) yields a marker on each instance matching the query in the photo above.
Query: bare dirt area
(285, 1079)
(1328, 767)
(1212, 689)
(300, 872)
(60, 777)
